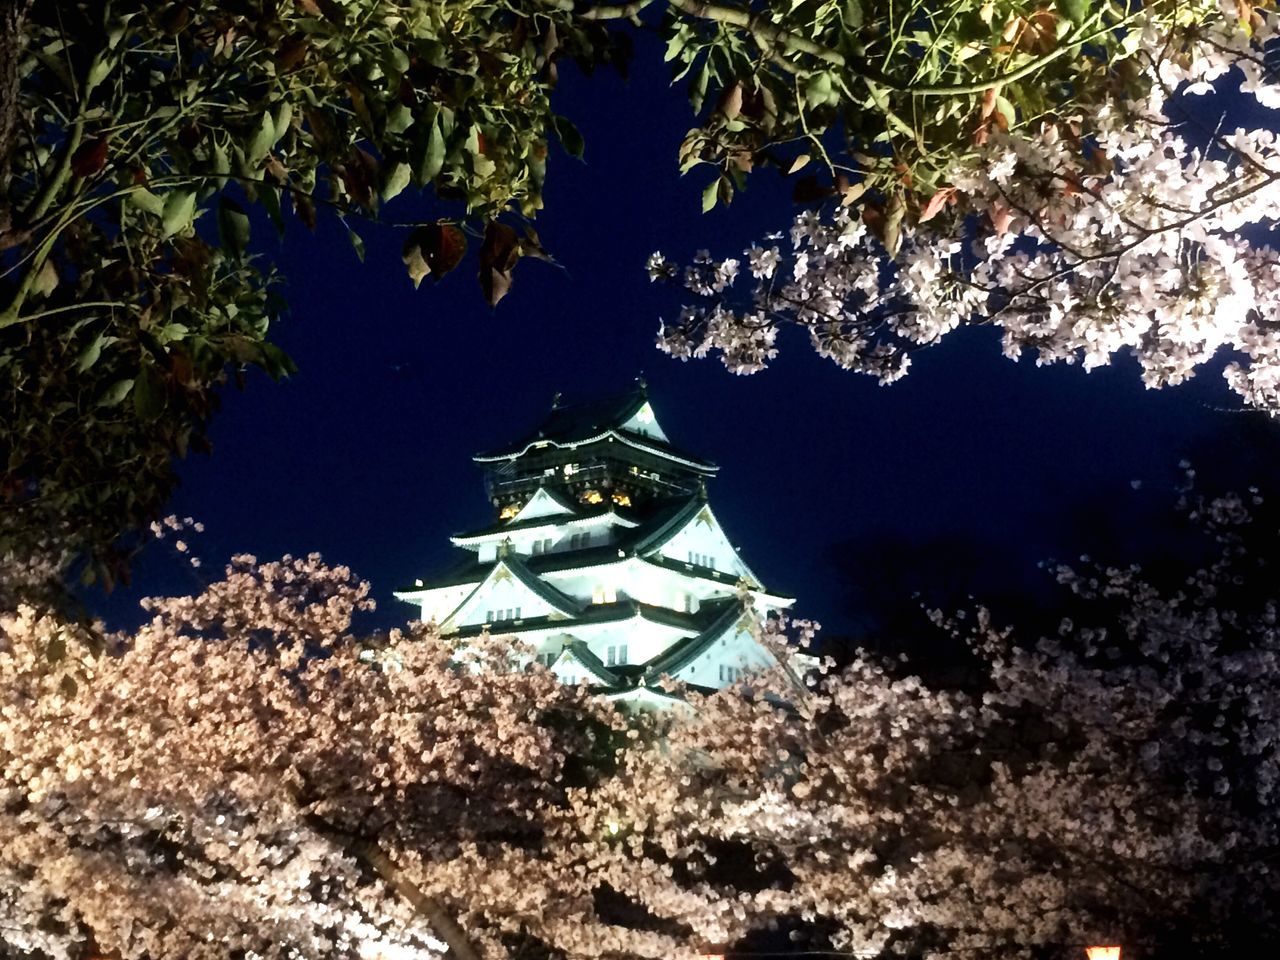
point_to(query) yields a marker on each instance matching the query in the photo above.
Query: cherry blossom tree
(1126, 213)
(245, 774)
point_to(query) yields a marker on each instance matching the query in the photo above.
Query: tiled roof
(583, 422)
(685, 652)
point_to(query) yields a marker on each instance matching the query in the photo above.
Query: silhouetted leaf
(89, 157)
(498, 255)
(233, 227)
(435, 249)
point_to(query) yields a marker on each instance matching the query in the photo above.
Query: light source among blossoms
(1102, 953)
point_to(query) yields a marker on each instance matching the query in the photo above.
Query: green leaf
(148, 393)
(179, 211)
(275, 362)
(709, 193)
(568, 135)
(433, 158)
(270, 197)
(818, 90)
(399, 119)
(261, 141)
(144, 199)
(1007, 111)
(280, 125)
(1077, 11)
(46, 280)
(852, 14)
(116, 392)
(233, 227)
(89, 355)
(397, 180)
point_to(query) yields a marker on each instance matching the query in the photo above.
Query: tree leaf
(179, 211)
(709, 194)
(148, 393)
(435, 249)
(798, 163)
(233, 227)
(397, 180)
(144, 199)
(731, 102)
(116, 392)
(433, 156)
(89, 355)
(89, 157)
(261, 141)
(818, 90)
(498, 255)
(936, 203)
(1077, 11)
(46, 280)
(568, 136)
(1005, 110)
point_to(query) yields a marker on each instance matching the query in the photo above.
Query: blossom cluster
(1127, 224)
(243, 773)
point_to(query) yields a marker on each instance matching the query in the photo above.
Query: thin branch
(622, 11)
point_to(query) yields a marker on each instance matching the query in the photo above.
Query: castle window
(603, 594)
(488, 616)
(617, 655)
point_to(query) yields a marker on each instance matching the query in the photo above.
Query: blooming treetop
(243, 774)
(1128, 217)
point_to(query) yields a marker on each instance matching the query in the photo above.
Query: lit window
(570, 469)
(622, 499)
(509, 511)
(603, 594)
(592, 496)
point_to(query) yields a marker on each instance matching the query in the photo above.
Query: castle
(606, 558)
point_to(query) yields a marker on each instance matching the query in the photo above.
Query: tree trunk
(13, 17)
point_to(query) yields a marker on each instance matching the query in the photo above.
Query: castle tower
(606, 558)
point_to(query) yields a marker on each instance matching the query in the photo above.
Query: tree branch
(768, 34)
(622, 11)
(13, 16)
(429, 908)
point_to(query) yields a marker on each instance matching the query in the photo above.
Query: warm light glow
(622, 499)
(509, 511)
(592, 496)
(1102, 953)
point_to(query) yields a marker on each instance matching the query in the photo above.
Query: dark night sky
(364, 456)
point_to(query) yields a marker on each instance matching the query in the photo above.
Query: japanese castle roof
(643, 541)
(694, 623)
(578, 424)
(602, 512)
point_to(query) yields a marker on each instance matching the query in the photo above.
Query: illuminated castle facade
(606, 559)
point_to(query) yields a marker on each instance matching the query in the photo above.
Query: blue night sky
(364, 455)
